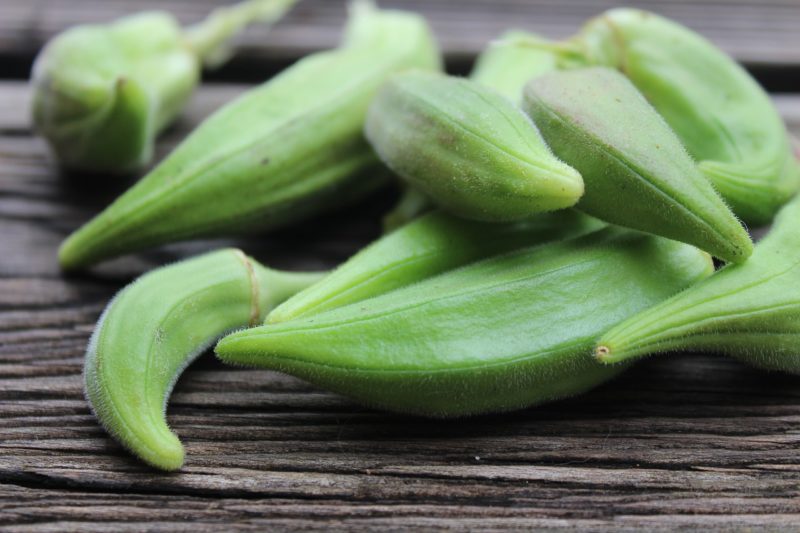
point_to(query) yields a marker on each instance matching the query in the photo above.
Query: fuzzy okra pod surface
(156, 326)
(750, 311)
(468, 148)
(637, 172)
(432, 244)
(504, 66)
(724, 118)
(504, 333)
(289, 148)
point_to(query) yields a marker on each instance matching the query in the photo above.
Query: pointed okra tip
(72, 254)
(147, 437)
(167, 454)
(236, 348)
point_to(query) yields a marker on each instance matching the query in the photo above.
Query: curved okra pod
(102, 93)
(508, 64)
(750, 311)
(289, 148)
(156, 326)
(724, 118)
(432, 244)
(508, 332)
(468, 148)
(636, 171)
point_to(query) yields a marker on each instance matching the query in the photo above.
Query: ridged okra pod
(102, 93)
(636, 172)
(432, 244)
(153, 329)
(468, 148)
(512, 331)
(505, 66)
(724, 118)
(750, 311)
(289, 148)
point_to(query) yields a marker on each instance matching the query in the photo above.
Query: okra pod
(432, 244)
(721, 114)
(508, 332)
(468, 148)
(505, 66)
(637, 173)
(155, 327)
(282, 151)
(749, 311)
(102, 93)
(509, 63)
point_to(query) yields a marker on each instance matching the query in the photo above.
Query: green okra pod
(750, 311)
(468, 148)
(508, 64)
(156, 326)
(287, 149)
(724, 118)
(508, 332)
(102, 93)
(432, 244)
(505, 66)
(636, 172)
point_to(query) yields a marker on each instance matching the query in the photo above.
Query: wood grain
(758, 33)
(690, 441)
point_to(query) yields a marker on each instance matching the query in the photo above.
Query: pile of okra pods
(562, 207)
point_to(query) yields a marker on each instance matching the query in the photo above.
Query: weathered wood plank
(691, 441)
(762, 33)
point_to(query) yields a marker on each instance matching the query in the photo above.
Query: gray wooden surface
(685, 441)
(754, 31)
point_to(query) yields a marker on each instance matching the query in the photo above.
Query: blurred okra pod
(102, 93)
(509, 63)
(286, 149)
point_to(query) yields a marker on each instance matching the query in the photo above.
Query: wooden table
(690, 441)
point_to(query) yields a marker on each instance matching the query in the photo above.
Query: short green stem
(209, 39)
